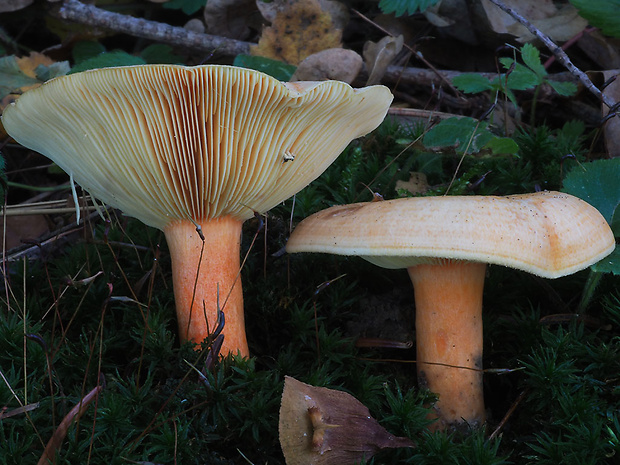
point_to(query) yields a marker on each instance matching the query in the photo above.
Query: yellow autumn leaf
(300, 28)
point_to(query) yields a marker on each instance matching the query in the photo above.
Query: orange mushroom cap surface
(549, 234)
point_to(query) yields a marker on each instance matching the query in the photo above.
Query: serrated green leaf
(502, 145)
(160, 53)
(472, 83)
(275, 68)
(596, 183)
(85, 49)
(603, 14)
(460, 133)
(11, 76)
(565, 89)
(189, 7)
(531, 57)
(108, 60)
(523, 78)
(400, 7)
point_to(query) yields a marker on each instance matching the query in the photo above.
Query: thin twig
(89, 15)
(560, 55)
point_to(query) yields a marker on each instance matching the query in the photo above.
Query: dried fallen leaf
(231, 18)
(301, 28)
(611, 129)
(417, 184)
(378, 56)
(558, 23)
(13, 5)
(320, 426)
(334, 63)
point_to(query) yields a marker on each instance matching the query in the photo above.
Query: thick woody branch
(73, 10)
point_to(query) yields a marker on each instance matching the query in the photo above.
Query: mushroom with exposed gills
(194, 151)
(445, 244)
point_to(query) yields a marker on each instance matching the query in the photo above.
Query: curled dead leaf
(322, 426)
(378, 56)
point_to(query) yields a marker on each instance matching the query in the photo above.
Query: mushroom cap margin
(549, 234)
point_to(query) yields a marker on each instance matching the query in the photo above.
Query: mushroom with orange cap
(445, 244)
(194, 151)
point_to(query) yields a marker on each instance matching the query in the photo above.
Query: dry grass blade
(55, 441)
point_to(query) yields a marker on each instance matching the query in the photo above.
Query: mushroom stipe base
(206, 275)
(449, 339)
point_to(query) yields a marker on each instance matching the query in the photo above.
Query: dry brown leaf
(417, 183)
(558, 23)
(378, 56)
(300, 29)
(321, 426)
(611, 129)
(13, 5)
(21, 228)
(29, 64)
(231, 18)
(338, 64)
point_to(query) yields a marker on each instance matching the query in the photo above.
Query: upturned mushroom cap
(549, 234)
(165, 143)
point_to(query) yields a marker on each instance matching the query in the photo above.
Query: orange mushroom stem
(449, 339)
(205, 274)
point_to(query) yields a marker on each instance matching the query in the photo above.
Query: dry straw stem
(445, 244)
(194, 151)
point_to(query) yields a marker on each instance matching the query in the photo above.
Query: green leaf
(565, 89)
(45, 73)
(531, 57)
(472, 83)
(400, 7)
(277, 69)
(521, 77)
(609, 264)
(502, 145)
(461, 133)
(11, 76)
(160, 53)
(596, 183)
(108, 60)
(603, 14)
(189, 7)
(86, 49)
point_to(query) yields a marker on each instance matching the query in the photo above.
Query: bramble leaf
(604, 14)
(596, 183)
(472, 83)
(400, 7)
